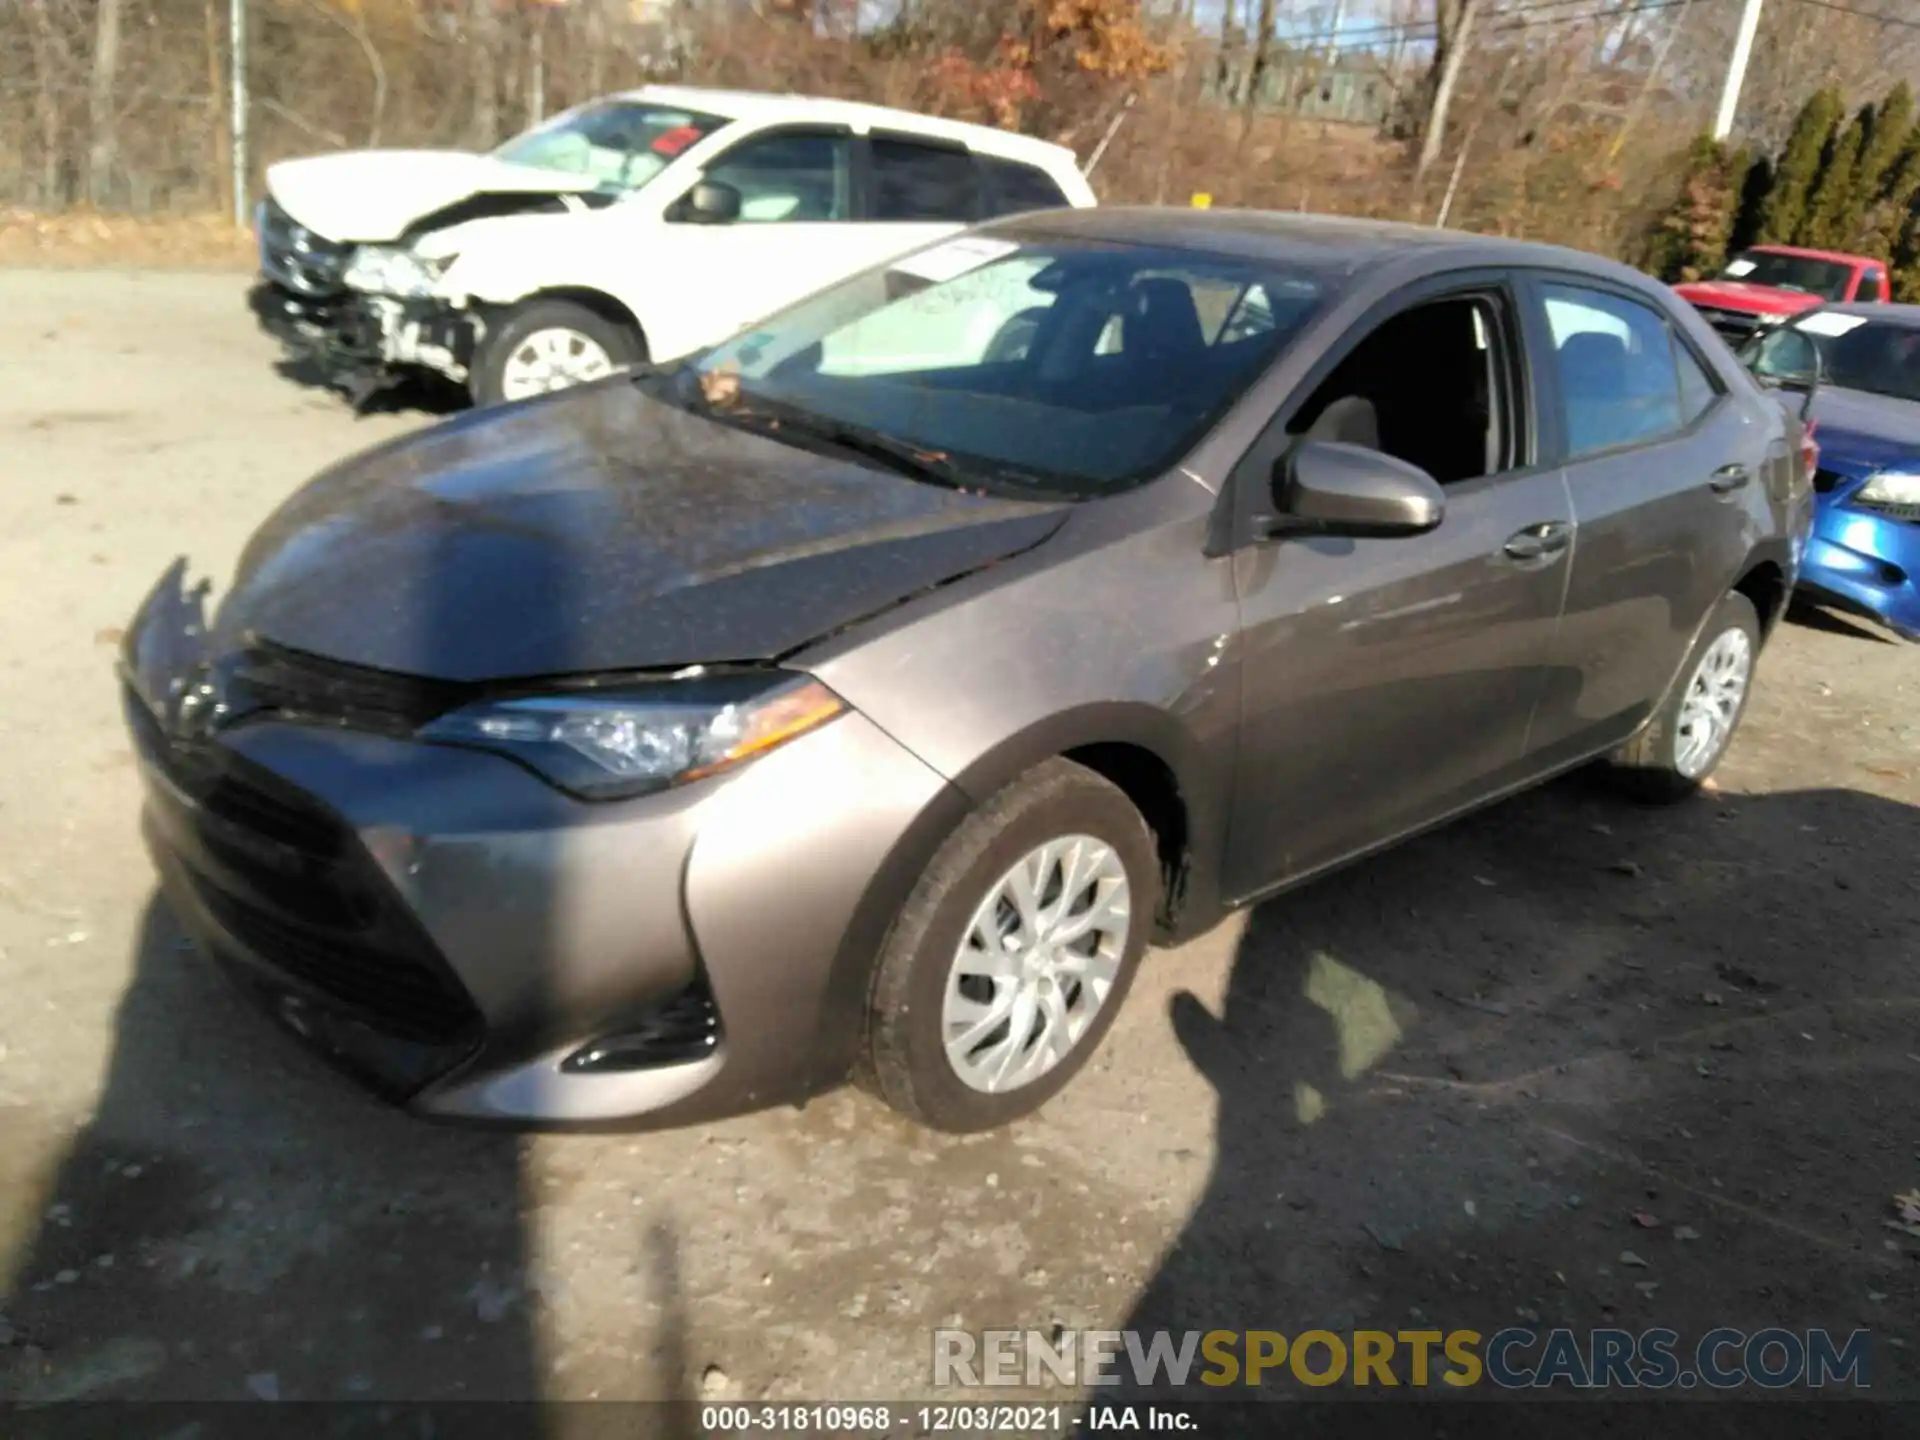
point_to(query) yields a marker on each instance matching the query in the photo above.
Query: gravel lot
(1433, 1089)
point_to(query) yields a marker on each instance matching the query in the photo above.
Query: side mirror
(1322, 487)
(712, 203)
(1786, 358)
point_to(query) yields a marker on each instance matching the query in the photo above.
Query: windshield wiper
(901, 456)
(777, 419)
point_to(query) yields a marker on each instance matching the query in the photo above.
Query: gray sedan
(861, 697)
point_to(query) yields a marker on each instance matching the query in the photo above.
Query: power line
(1864, 14)
(1515, 21)
(1402, 26)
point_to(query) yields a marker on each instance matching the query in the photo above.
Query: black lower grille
(398, 995)
(1893, 510)
(292, 885)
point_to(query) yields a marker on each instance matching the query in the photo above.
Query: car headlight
(388, 270)
(1765, 322)
(607, 744)
(1891, 487)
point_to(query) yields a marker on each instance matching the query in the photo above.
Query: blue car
(1864, 553)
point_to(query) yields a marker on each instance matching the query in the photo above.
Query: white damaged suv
(637, 227)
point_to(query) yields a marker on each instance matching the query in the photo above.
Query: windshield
(620, 144)
(1825, 278)
(1855, 354)
(1074, 369)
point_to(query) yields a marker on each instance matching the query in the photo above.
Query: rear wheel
(551, 345)
(1013, 953)
(1688, 736)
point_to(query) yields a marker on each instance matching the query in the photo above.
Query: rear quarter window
(1013, 187)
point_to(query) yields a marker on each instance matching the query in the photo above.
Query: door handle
(1537, 542)
(1729, 478)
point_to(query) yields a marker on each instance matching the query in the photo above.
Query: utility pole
(237, 119)
(1736, 70)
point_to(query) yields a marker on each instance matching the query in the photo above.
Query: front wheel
(1013, 953)
(1689, 734)
(551, 345)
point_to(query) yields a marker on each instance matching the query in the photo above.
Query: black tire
(624, 345)
(904, 1060)
(1648, 766)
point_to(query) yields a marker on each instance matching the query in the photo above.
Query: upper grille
(309, 688)
(293, 255)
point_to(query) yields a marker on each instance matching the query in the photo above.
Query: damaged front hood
(599, 530)
(374, 195)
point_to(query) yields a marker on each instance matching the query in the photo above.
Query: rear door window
(1616, 361)
(928, 183)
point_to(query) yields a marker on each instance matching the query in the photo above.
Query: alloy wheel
(550, 360)
(1711, 705)
(1037, 962)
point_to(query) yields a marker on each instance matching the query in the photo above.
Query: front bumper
(354, 338)
(1865, 562)
(449, 929)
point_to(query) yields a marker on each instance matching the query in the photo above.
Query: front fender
(504, 260)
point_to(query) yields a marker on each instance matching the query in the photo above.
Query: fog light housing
(678, 1031)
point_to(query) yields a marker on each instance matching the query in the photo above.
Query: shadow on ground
(235, 1222)
(1570, 1064)
(1806, 613)
(424, 394)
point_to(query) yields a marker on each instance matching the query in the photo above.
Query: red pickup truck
(1770, 283)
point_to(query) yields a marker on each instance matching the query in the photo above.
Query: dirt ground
(1433, 1089)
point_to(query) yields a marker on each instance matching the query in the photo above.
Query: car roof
(762, 107)
(1329, 243)
(1908, 315)
(1839, 257)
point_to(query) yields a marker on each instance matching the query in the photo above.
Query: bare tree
(1256, 81)
(101, 99)
(1453, 26)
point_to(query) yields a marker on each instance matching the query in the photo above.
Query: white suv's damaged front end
(355, 247)
(356, 316)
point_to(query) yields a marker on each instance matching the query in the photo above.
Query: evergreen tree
(1905, 271)
(1889, 125)
(1689, 240)
(1833, 210)
(1798, 168)
(1886, 222)
(1889, 174)
(1755, 185)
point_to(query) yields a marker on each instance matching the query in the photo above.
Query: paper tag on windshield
(955, 258)
(1737, 268)
(1828, 323)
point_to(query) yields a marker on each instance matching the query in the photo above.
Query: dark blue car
(1864, 554)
